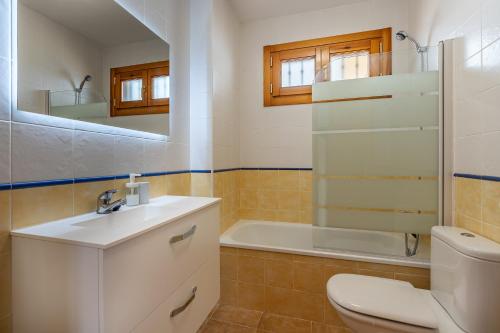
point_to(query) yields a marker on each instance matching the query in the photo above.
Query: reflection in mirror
(94, 62)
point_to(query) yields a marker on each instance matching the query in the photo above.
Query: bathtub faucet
(410, 252)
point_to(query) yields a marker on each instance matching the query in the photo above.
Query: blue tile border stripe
(478, 177)
(43, 183)
(55, 182)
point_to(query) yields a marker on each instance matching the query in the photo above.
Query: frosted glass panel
(395, 112)
(349, 66)
(376, 160)
(296, 73)
(132, 90)
(161, 87)
(414, 84)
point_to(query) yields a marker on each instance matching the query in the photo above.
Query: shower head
(87, 78)
(402, 35)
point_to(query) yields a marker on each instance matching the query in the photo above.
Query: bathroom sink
(104, 231)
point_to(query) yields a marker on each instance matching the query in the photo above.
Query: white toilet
(464, 296)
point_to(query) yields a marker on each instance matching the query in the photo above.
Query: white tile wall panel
(92, 154)
(4, 152)
(128, 155)
(41, 153)
(155, 156)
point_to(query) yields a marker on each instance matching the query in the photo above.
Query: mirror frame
(21, 116)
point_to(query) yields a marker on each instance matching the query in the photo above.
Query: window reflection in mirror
(92, 61)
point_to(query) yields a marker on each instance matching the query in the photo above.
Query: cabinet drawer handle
(184, 236)
(183, 307)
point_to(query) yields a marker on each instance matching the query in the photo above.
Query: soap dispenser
(132, 190)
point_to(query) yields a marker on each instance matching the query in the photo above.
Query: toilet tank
(465, 278)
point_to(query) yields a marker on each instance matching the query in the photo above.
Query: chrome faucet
(104, 204)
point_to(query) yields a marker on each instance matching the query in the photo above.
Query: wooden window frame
(374, 41)
(147, 105)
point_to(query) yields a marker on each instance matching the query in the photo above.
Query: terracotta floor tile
(236, 315)
(281, 324)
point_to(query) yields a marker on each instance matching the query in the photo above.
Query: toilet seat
(384, 299)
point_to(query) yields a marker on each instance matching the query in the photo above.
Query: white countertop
(105, 231)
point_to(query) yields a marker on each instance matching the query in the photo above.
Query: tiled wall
(477, 206)
(291, 288)
(226, 186)
(44, 148)
(476, 100)
(276, 195)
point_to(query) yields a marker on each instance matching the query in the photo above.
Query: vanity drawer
(189, 306)
(140, 274)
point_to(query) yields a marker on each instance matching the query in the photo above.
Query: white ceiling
(249, 10)
(103, 21)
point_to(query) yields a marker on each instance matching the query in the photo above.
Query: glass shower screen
(376, 153)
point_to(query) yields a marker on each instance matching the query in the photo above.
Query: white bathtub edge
(227, 241)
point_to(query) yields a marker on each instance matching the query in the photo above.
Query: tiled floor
(230, 319)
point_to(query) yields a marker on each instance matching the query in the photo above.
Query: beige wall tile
(279, 273)
(201, 184)
(248, 179)
(308, 277)
(492, 232)
(422, 282)
(331, 315)
(248, 199)
(468, 197)
(179, 184)
(491, 202)
(294, 303)
(288, 180)
(39, 205)
(252, 296)
(228, 292)
(5, 222)
(268, 179)
(268, 199)
(228, 266)
(469, 223)
(251, 269)
(157, 185)
(5, 285)
(289, 200)
(306, 181)
(86, 195)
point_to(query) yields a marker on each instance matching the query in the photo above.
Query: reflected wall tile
(93, 154)
(134, 7)
(5, 30)
(128, 155)
(491, 65)
(155, 156)
(490, 22)
(5, 86)
(41, 153)
(4, 152)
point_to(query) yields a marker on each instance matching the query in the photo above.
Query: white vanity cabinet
(164, 279)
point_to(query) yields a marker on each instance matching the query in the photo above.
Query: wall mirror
(94, 62)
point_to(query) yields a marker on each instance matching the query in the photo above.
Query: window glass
(348, 66)
(132, 90)
(161, 87)
(297, 72)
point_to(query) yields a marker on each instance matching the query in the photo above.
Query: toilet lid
(382, 298)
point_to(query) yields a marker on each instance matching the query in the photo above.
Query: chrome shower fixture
(402, 35)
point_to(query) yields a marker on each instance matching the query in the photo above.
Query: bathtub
(346, 244)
